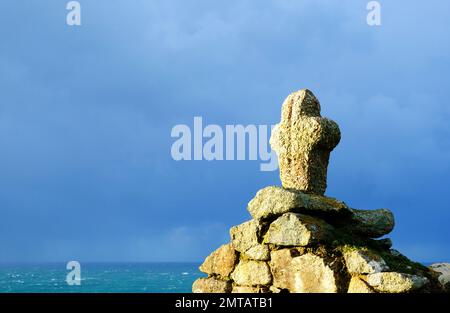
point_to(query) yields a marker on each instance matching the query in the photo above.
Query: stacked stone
(301, 241)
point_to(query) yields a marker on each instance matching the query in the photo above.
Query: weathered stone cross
(303, 141)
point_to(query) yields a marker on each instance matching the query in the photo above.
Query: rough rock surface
(372, 223)
(221, 262)
(293, 229)
(274, 289)
(250, 289)
(211, 285)
(302, 241)
(302, 273)
(246, 235)
(251, 273)
(393, 282)
(273, 201)
(359, 261)
(357, 285)
(312, 274)
(281, 266)
(303, 141)
(443, 270)
(259, 252)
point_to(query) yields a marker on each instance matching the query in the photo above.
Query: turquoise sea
(100, 277)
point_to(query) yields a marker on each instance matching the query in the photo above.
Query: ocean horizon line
(35, 263)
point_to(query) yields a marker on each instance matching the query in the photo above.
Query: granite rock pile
(301, 241)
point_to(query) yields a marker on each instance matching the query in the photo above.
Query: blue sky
(86, 114)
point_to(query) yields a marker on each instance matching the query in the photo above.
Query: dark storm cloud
(86, 114)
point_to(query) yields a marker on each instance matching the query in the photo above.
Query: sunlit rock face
(303, 141)
(301, 241)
